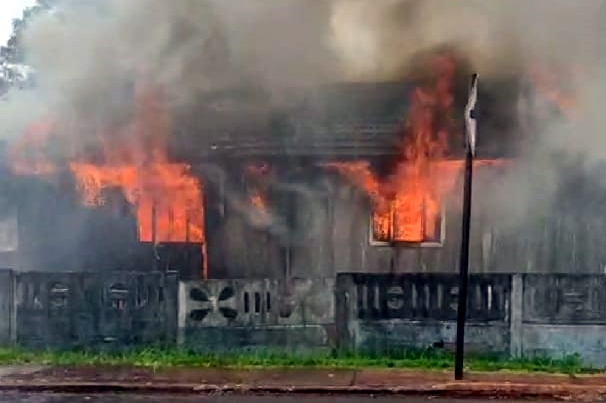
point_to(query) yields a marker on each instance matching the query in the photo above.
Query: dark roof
(348, 120)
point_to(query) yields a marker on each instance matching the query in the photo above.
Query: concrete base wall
(233, 315)
(401, 334)
(100, 310)
(558, 341)
(7, 307)
(516, 315)
(527, 316)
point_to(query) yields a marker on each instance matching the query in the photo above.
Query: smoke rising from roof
(83, 51)
(86, 51)
(378, 38)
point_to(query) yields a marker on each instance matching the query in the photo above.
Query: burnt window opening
(172, 223)
(408, 221)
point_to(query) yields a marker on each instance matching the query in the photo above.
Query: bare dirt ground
(304, 381)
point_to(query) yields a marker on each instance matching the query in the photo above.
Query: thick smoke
(378, 39)
(86, 51)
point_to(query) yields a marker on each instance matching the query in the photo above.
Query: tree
(13, 71)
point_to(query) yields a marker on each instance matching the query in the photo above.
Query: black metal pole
(464, 266)
(465, 231)
(470, 128)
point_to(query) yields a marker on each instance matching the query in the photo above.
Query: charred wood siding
(237, 246)
(329, 233)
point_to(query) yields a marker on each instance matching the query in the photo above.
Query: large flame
(166, 197)
(407, 205)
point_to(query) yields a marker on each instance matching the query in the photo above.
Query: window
(408, 219)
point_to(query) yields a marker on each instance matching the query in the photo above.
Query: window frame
(422, 244)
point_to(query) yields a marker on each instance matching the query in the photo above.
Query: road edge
(449, 389)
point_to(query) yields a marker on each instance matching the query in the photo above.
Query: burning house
(282, 177)
(342, 177)
(301, 166)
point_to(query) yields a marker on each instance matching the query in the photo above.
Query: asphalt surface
(128, 398)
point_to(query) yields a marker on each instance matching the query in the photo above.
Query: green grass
(413, 359)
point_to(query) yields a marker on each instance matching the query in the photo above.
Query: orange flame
(256, 199)
(257, 193)
(407, 205)
(166, 196)
(27, 156)
(392, 217)
(549, 84)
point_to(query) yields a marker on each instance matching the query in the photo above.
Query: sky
(10, 9)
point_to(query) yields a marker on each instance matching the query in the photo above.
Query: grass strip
(170, 357)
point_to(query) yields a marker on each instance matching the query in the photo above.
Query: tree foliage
(13, 71)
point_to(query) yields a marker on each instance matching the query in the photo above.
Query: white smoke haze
(192, 46)
(378, 38)
(82, 51)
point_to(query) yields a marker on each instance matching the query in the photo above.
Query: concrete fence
(510, 314)
(521, 315)
(220, 315)
(380, 312)
(97, 310)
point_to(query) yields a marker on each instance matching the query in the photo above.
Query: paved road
(126, 398)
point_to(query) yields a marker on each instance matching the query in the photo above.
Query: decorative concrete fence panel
(521, 314)
(47, 305)
(382, 312)
(265, 314)
(564, 314)
(63, 310)
(7, 317)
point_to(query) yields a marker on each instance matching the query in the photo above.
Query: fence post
(13, 307)
(182, 313)
(515, 318)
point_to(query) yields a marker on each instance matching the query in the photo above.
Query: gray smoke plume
(85, 50)
(378, 39)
